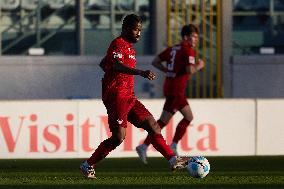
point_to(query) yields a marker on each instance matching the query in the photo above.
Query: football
(198, 167)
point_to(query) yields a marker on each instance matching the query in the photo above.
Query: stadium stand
(29, 4)
(9, 5)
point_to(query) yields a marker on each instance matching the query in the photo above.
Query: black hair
(188, 30)
(130, 21)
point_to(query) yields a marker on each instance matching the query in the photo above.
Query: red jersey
(177, 58)
(114, 82)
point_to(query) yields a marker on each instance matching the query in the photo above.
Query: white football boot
(173, 146)
(142, 153)
(87, 170)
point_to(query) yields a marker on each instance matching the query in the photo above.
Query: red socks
(156, 140)
(160, 145)
(106, 147)
(101, 152)
(180, 130)
(148, 140)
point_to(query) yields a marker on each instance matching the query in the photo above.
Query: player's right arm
(118, 52)
(103, 64)
(122, 68)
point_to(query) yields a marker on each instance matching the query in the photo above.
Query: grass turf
(226, 172)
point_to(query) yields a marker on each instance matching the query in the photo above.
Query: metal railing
(206, 15)
(23, 33)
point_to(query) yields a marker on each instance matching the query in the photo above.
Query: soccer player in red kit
(180, 64)
(119, 99)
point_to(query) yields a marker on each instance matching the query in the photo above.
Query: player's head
(190, 33)
(131, 28)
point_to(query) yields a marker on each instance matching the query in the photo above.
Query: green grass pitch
(114, 173)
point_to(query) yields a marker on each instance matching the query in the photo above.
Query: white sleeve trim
(191, 59)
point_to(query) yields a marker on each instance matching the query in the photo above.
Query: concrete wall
(258, 76)
(67, 77)
(62, 77)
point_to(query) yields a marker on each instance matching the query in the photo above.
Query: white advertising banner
(219, 127)
(270, 130)
(38, 129)
(74, 128)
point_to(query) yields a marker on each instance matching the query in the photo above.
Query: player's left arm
(193, 68)
(193, 65)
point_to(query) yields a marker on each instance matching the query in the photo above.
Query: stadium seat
(97, 4)
(9, 4)
(67, 12)
(252, 5)
(144, 5)
(29, 4)
(278, 5)
(55, 7)
(124, 5)
(55, 4)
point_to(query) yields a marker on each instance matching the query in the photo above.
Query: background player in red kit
(180, 64)
(119, 99)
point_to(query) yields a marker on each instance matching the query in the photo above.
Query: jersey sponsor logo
(119, 121)
(117, 55)
(132, 56)
(191, 59)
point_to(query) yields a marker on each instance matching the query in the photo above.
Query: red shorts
(123, 109)
(175, 103)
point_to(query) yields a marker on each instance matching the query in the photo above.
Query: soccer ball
(198, 167)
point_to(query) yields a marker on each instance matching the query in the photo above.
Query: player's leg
(159, 143)
(172, 104)
(105, 147)
(182, 126)
(117, 119)
(154, 132)
(142, 118)
(167, 114)
(163, 121)
(142, 148)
